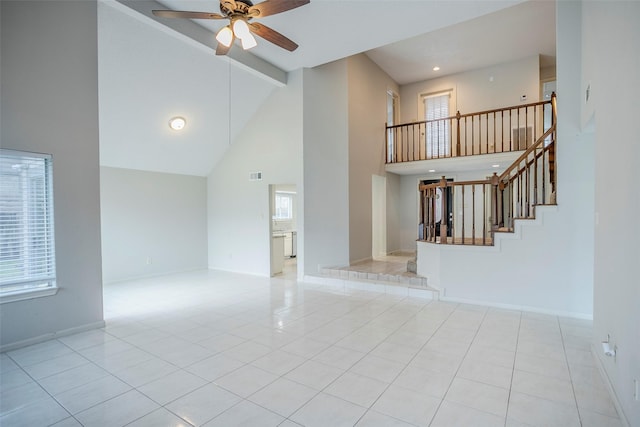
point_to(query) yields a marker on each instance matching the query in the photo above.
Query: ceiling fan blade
(271, 7)
(186, 14)
(273, 36)
(222, 49)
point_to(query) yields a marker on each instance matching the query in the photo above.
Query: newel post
(458, 133)
(495, 181)
(444, 214)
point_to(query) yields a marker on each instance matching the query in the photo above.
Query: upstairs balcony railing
(470, 212)
(494, 131)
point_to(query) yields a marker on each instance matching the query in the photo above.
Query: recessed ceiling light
(177, 123)
(436, 68)
(432, 170)
(495, 166)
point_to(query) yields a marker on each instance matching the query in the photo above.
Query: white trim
(52, 335)
(560, 313)
(28, 294)
(612, 392)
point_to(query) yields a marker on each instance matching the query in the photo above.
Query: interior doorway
(283, 229)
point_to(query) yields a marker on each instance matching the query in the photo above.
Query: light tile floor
(220, 349)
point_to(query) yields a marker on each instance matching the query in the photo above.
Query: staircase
(483, 208)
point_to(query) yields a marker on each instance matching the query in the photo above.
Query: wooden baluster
(510, 132)
(527, 188)
(473, 214)
(458, 152)
(443, 216)
(453, 203)
(473, 133)
(502, 131)
(501, 205)
(487, 133)
(535, 176)
(495, 142)
(526, 127)
(386, 144)
(463, 214)
(433, 215)
(535, 123)
(396, 142)
(484, 214)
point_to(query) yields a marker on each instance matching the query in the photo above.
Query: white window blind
(27, 250)
(438, 131)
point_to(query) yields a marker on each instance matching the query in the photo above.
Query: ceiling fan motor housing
(241, 7)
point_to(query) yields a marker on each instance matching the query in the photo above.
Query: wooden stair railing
(486, 132)
(481, 208)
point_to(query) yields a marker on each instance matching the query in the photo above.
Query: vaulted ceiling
(150, 72)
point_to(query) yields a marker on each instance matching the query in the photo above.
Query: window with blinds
(27, 250)
(438, 132)
(283, 206)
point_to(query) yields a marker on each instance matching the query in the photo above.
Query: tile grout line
(566, 359)
(513, 369)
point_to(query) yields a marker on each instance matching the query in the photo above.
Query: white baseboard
(516, 307)
(610, 389)
(52, 335)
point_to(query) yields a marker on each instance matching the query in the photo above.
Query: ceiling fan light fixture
(241, 29)
(248, 42)
(225, 36)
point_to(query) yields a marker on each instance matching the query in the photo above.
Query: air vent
(255, 176)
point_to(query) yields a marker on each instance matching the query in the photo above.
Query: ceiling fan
(240, 13)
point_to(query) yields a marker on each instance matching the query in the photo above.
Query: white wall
(367, 98)
(238, 209)
(532, 270)
(610, 33)
(49, 81)
(326, 168)
(152, 223)
(473, 91)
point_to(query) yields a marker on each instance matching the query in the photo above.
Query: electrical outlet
(149, 260)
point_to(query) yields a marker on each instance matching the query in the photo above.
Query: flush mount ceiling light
(240, 13)
(495, 166)
(177, 123)
(432, 170)
(436, 68)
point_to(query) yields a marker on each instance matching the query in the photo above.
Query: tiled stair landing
(386, 274)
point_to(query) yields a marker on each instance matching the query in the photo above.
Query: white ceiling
(149, 73)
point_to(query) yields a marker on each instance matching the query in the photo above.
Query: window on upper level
(438, 132)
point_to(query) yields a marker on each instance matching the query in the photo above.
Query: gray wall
(326, 167)
(611, 65)
(367, 100)
(152, 223)
(49, 80)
